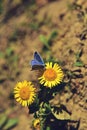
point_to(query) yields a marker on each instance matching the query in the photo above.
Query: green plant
(9, 66)
(48, 41)
(7, 123)
(38, 96)
(34, 26)
(14, 35)
(78, 61)
(1, 6)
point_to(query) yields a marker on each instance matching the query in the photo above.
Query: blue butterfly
(37, 62)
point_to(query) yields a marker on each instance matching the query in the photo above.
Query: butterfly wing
(38, 58)
(34, 62)
(35, 65)
(37, 62)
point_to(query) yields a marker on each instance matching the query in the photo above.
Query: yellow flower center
(25, 93)
(50, 74)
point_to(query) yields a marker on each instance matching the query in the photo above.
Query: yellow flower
(52, 75)
(24, 93)
(36, 123)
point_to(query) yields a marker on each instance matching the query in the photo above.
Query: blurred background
(57, 29)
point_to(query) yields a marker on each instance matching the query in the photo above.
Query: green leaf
(10, 123)
(53, 35)
(3, 119)
(1, 55)
(44, 40)
(47, 128)
(79, 54)
(79, 64)
(60, 113)
(9, 51)
(1, 6)
(34, 26)
(15, 58)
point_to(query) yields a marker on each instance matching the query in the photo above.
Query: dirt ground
(19, 39)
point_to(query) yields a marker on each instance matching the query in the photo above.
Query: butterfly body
(37, 62)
